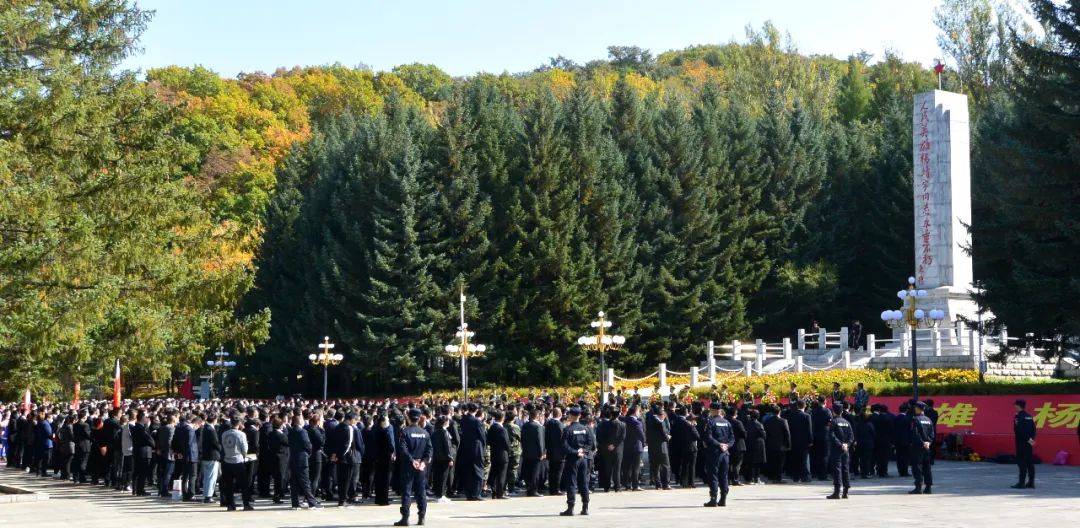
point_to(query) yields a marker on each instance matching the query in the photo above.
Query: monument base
(957, 304)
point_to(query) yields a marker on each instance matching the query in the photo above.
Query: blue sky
(464, 37)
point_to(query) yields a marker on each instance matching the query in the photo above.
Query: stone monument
(942, 184)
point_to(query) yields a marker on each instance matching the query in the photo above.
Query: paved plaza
(966, 494)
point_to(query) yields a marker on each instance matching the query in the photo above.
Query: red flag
(116, 386)
(75, 400)
(26, 400)
(939, 67)
(187, 389)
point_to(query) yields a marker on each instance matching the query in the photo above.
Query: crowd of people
(354, 451)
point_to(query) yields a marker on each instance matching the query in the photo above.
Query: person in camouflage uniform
(514, 431)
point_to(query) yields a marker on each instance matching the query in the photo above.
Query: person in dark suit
(164, 454)
(676, 444)
(385, 446)
(267, 460)
(553, 441)
(657, 436)
(633, 447)
(737, 452)
(299, 456)
(346, 455)
(777, 443)
(251, 435)
(470, 462)
(499, 445)
(209, 457)
(142, 449)
(279, 457)
(185, 450)
(532, 452)
(690, 438)
(443, 453)
(802, 437)
(883, 437)
(64, 447)
(902, 439)
(83, 445)
(820, 418)
(756, 454)
(865, 437)
(316, 458)
(610, 435)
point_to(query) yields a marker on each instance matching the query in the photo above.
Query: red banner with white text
(986, 422)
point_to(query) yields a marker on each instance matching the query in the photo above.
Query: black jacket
(498, 441)
(657, 434)
(532, 440)
(777, 434)
(142, 443)
(209, 444)
(553, 437)
(802, 429)
(442, 445)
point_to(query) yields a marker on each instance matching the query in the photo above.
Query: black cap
(574, 410)
(715, 405)
(1020, 403)
(838, 408)
(414, 414)
(920, 405)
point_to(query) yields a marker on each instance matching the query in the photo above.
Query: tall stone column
(942, 191)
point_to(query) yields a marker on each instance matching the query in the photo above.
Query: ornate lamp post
(911, 317)
(463, 349)
(219, 365)
(325, 358)
(601, 342)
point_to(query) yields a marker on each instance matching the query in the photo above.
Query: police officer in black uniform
(414, 450)
(840, 439)
(577, 446)
(1024, 430)
(718, 436)
(922, 440)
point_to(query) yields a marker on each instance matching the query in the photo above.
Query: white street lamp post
(911, 317)
(219, 365)
(464, 349)
(601, 342)
(325, 358)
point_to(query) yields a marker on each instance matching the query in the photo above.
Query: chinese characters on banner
(925, 257)
(987, 422)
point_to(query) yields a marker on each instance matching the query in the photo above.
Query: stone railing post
(712, 362)
(958, 336)
(759, 356)
(800, 340)
(736, 350)
(663, 375)
(798, 364)
(871, 345)
(787, 348)
(611, 377)
(844, 338)
(748, 368)
(822, 339)
(693, 377)
(847, 359)
(936, 340)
